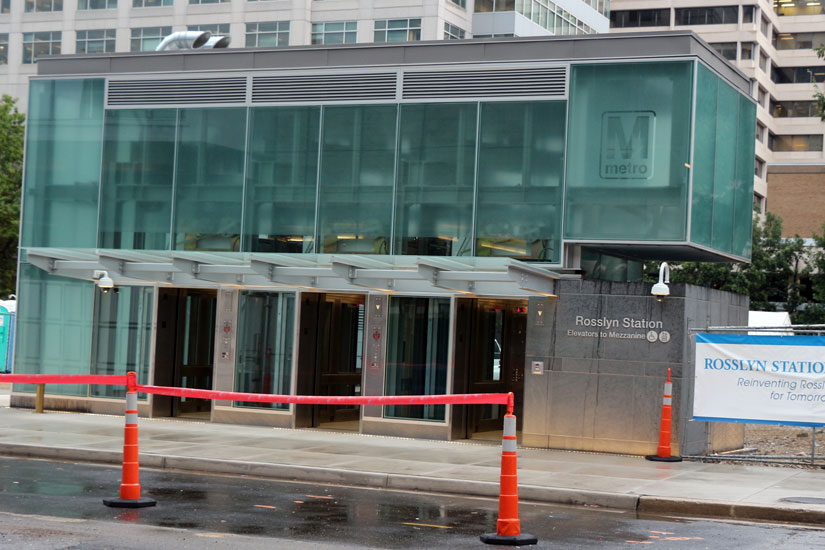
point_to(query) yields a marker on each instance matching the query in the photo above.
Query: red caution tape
(452, 399)
(98, 379)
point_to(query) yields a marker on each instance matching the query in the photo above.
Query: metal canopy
(428, 275)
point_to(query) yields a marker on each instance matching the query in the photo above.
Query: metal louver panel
(324, 87)
(544, 81)
(176, 91)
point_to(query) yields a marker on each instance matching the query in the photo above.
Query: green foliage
(11, 166)
(773, 276)
(818, 95)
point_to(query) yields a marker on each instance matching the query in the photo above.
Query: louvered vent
(202, 91)
(329, 87)
(546, 81)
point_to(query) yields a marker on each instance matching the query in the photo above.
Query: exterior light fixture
(104, 282)
(660, 289)
(184, 40)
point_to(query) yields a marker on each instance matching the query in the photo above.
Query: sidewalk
(462, 468)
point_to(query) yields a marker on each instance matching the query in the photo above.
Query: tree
(818, 95)
(11, 170)
(772, 277)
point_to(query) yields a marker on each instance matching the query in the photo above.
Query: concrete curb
(404, 482)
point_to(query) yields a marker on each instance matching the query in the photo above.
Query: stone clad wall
(603, 350)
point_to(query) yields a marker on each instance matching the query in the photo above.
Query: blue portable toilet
(8, 310)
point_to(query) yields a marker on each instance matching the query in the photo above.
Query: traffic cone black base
(657, 458)
(142, 502)
(501, 540)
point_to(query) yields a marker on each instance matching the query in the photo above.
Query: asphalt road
(54, 505)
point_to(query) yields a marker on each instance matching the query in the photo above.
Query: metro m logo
(627, 144)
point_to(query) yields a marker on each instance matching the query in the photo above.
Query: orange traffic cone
(663, 452)
(130, 484)
(508, 527)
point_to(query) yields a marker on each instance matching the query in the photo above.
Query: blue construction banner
(760, 379)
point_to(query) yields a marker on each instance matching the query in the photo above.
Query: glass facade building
(332, 230)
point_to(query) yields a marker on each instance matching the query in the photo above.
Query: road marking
(214, 535)
(639, 541)
(264, 506)
(318, 496)
(45, 518)
(662, 532)
(426, 525)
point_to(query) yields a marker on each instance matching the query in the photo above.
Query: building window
(397, 30)
(146, 39)
(758, 167)
(806, 142)
(4, 48)
(798, 41)
(451, 32)
(748, 14)
(96, 41)
(274, 33)
(96, 4)
(761, 95)
(760, 133)
(726, 49)
(748, 49)
(40, 43)
(722, 15)
(460, 3)
(217, 29)
(506, 35)
(338, 32)
(44, 5)
(793, 109)
(764, 61)
(151, 3)
(798, 7)
(764, 27)
(639, 18)
(5, 6)
(207, 1)
(798, 75)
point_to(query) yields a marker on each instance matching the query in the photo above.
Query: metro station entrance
(331, 350)
(184, 349)
(489, 358)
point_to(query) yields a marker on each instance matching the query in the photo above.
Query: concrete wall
(603, 351)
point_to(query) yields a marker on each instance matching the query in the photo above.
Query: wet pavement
(46, 504)
(459, 467)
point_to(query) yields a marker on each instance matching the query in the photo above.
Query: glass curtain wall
(64, 135)
(628, 160)
(122, 336)
(357, 175)
(138, 171)
(209, 179)
(282, 171)
(417, 354)
(520, 178)
(436, 177)
(265, 345)
(54, 328)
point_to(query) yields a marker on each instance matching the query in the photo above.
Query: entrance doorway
(184, 349)
(490, 354)
(330, 358)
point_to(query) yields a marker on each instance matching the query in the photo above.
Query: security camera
(104, 282)
(660, 289)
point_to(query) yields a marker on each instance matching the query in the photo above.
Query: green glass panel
(743, 200)
(138, 170)
(282, 174)
(436, 175)
(62, 179)
(122, 335)
(265, 345)
(357, 175)
(209, 179)
(520, 169)
(704, 150)
(418, 333)
(727, 116)
(54, 328)
(628, 151)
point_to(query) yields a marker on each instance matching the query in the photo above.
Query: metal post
(40, 398)
(813, 444)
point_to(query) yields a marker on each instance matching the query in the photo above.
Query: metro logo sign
(627, 144)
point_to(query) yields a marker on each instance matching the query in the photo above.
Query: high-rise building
(773, 44)
(32, 28)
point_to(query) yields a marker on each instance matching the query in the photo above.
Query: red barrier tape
(451, 399)
(98, 379)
